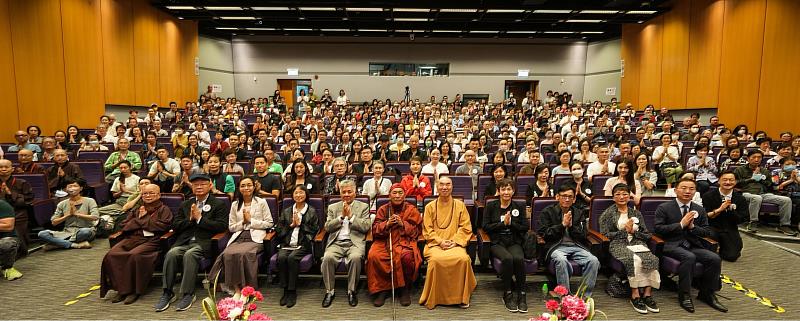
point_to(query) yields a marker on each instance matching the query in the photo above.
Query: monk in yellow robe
(447, 231)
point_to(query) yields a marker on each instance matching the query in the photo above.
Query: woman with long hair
(248, 220)
(625, 175)
(299, 173)
(645, 174)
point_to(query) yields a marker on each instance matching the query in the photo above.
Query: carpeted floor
(54, 278)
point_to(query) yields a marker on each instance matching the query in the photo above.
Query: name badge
(206, 208)
(588, 191)
(422, 184)
(308, 186)
(515, 213)
(475, 171)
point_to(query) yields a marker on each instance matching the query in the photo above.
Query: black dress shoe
(685, 302)
(284, 297)
(292, 300)
(712, 301)
(326, 302)
(352, 299)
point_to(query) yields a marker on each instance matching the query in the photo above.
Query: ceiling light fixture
(271, 8)
(364, 9)
(446, 31)
(237, 18)
(261, 29)
(372, 30)
(223, 8)
(552, 11)
(505, 11)
(520, 32)
(410, 19)
(227, 28)
(584, 20)
(592, 32)
(181, 8)
(599, 11)
(335, 30)
(641, 12)
(297, 29)
(316, 9)
(559, 32)
(410, 10)
(483, 31)
(458, 10)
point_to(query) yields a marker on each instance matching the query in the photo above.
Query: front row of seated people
(445, 226)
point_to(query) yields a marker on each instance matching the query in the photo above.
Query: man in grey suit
(347, 225)
(683, 224)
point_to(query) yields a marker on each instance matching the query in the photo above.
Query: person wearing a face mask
(726, 208)
(92, 144)
(787, 183)
(180, 141)
(79, 216)
(755, 183)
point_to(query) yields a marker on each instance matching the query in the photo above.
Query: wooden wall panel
(780, 70)
(145, 53)
(630, 53)
(39, 63)
(189, 50)
(675, 62)
(740, 73)
(83, 54)
(651, 58)
(705, 49)
(169, 59)
(118, 72)
(8, 87)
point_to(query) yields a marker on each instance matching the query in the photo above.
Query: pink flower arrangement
(564, 306)
(561, 290)
(551, 305)
(240, 307)
(573, 308)
(259, 317)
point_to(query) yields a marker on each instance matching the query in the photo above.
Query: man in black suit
(197, 221)
(413, 150)
(683, 224)
(726, 208)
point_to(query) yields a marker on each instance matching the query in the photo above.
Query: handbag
(529, 245)
(618, 287)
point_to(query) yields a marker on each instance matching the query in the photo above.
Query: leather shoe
(405, 296)
(326, 302)
(284, 297)
(131, 298)
(352, 299)
(685, 302)
(380, 299)
(712, 301)
(292, 300)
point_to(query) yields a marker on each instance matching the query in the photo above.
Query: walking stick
(391, 268)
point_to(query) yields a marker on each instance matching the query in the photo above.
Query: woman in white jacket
(248, 220)
(377, 185)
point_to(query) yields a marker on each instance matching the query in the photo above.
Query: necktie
(685, 209)
(685, 243)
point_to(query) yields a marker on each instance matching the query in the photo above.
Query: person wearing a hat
(197, 221)
(402, 222)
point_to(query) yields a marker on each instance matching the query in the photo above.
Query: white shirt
(596, 168)
(204, 138)
(296, 230)
(344, 232)
(440, 168)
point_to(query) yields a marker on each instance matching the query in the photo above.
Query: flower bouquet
(563, 306)
(240, 307)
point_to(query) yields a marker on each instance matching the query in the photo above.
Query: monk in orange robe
(403, 221)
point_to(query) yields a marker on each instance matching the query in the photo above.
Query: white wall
(602, 70)
(216, 65)
(476, 67)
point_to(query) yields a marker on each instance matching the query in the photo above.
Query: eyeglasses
(566, 196)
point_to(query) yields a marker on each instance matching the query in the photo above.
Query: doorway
(520, 87)
(290, 89)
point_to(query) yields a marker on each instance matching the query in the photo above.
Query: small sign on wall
(622, 68)
(611, 91)
(196, 66)
(215, 88)
(523, 72)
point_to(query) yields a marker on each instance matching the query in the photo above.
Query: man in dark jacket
(726, 208)
(197, 221)
(564, 228)
(683, 224)
(18, 193)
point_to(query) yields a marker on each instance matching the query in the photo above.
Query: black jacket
(668, 226)
(498, 231)
(408, 154)
(308, 227)
(551, 229)
(730, 218)
(213, 221)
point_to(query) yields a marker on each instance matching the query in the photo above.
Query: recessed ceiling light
(271, 8)
(261, 29)
(237, 18)
(559, 32)
(316, 9)
(345, 19)
(505, 11)
(640, 21)
(410, 10)
(227, 28)
(641, 12)
(592, 32)
(371, 30)
(552, 11)
(181, 8)
(404, 30)
(364, 9)
(180, 18)
(599, 11)
(483, 31)
(520, 32)
(223, 8)
(410, 19)
(458, 10)
(335, 30)
(297, 29)
(584, 20)
(446, 31)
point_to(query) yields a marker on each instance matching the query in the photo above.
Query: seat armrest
(473, 239)
(270, 235)
(368, 238)
(599, 236)
(712, 243)
(218, 236)
(320, 236)
(167, 235)
(484, 236)
(115, 235)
